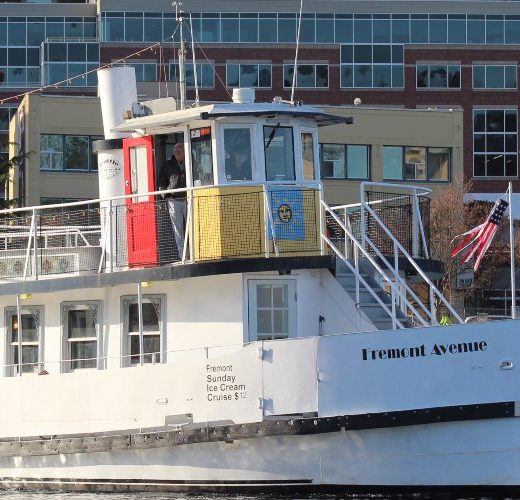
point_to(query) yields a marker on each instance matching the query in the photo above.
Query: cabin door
(141, 224)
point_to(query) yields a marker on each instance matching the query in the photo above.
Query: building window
(205, 74)
(67, 152)
(152, 329)
(307, 75)
(345, 161)
(249, 75)
(279, 153)
(81, 331)
(272, 309)
(438, 76)
(371, 66)
(70, 64)
(494, 76)
(495, 149)
(144, 72)
(5, 117)
(416, 163)
(31, 318)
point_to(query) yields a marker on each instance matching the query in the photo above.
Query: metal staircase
(370, 255)
(365, 301)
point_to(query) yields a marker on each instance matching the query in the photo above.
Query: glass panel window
(376, 66)
(495, 148)
(152, 322)
(248, 75)
(279, 153)
(51, 152)
(345, 161)
(76, 152)
(201, 156)
(205, 74)
(438, 76)
(80, 322)
(494, 76)
(66, 152)
(308, 156)
(31, 318)
(237, 146)
(333, 161)
(416, 163)
(307, 75)
(272, 309)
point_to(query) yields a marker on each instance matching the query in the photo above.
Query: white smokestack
(117, 91)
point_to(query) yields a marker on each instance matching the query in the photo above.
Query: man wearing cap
(173, 176)
(238, 165)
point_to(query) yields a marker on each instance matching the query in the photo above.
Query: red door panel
(141, 224)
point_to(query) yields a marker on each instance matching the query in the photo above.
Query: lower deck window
(152, 329)
(30, 319)
(272, 309)
(81, 332)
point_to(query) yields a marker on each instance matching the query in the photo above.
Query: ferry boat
(281, 346)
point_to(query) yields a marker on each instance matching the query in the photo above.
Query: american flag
(478, 239)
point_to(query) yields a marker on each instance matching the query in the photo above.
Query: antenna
(194, 65)
(296, 55)
(182, 56)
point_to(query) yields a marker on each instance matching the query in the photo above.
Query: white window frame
(92, 305)
(11, 368)
(256, 175)
(251, 296)
(159, 303)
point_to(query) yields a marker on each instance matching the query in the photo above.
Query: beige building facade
(420, 147)
(56, 135)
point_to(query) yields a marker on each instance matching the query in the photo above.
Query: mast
(182, 58)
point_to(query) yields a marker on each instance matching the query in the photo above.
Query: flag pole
(512, 249)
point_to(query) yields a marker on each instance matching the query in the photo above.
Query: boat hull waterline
(420, 456)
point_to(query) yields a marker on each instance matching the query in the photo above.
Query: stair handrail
(365, 284)
(416, 191)
(379, 269)
(423, 275)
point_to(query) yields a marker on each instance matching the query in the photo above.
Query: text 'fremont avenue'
(421, 351)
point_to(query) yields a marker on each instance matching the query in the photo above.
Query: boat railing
(387, 263)
(246, 220)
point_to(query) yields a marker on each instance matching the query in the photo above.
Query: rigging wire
(296, 55)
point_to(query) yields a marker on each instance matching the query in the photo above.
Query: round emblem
(109, 168)
(284, 213)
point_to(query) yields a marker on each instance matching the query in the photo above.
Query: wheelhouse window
(31, 318)
(272, 309)
(201, 156)
(237, 150)
(308, 156)
(152, 329)
(345, 161)
(80, 323)
(416, 163)
(279, 153)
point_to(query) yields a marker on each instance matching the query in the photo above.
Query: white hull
(482, 453)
